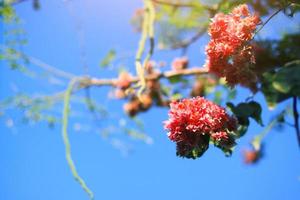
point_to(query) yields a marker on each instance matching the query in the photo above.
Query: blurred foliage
(282, 84)
(33, 108)
(278, 63)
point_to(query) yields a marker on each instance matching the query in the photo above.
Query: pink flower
(229, 53)
(193, 122)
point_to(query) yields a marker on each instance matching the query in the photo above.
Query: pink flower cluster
(193, 122)
(229, 53)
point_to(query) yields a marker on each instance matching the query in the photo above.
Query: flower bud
(180, 63)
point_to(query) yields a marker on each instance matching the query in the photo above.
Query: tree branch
(188, 42)
(87, 81)
(273, 15)
(296, 118)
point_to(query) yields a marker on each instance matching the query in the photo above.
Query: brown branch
(296, 118)
(88, 81)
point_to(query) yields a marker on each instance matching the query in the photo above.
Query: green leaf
(230, 106)
(287, 79)
(283, 84)
(242, 129)
(256, 112)
(245, 110)
(272, 95)
(175, 79)
(110, 56)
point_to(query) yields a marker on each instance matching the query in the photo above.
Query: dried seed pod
(131, 108)
(145, 102)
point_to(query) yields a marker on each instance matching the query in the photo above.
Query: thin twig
(188, 42)
(273, 15)
(78, 25)
(41, 64)
(296, 118)
(258, 139)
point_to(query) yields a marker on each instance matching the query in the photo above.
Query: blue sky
(32, 158)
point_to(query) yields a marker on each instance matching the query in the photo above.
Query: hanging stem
(147, 31)
(66, 111)
(150, 28)
(257, 141)
(296, 118)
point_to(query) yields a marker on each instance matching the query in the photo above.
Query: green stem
(71, 164)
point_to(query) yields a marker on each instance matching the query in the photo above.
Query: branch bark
(296, 118)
